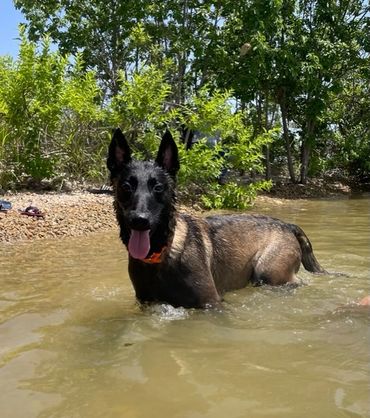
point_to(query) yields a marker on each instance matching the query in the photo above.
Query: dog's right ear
(119, 153)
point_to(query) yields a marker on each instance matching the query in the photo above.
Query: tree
(114, 36)
(98, 29)
(299, 56)
(329, 50)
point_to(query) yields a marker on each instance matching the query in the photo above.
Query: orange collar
(155, 258)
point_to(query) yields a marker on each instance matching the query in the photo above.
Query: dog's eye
(158, 188)
(126, 187)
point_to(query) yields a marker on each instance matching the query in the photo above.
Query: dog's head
(144, 194)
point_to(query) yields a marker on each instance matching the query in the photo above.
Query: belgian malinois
(189, 261)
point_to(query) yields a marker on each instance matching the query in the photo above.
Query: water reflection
(74, 343)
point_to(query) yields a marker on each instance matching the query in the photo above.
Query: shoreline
(65, 215)
(80, 213)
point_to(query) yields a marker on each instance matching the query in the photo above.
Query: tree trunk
(305, 158)
(267, 147)
(258, 129)
(287, 140)
(267, 162)
(180, 79)
(182, 57)
(306, 150)
(260, 106)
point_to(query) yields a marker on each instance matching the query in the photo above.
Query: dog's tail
(309, 260)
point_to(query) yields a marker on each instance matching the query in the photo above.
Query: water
(74, 343)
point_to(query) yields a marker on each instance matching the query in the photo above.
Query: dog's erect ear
(119, 153)
(168, 155)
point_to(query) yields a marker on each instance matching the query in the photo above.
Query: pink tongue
(139, 244)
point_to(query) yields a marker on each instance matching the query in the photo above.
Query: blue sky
(9, 20)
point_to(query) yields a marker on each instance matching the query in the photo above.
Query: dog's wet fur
(198, 259)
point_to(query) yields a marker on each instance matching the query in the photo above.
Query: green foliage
(350, 141)
(200, 166)
(201, 170)
(300, 52)
(233, 195)
(141, 108)
(283, 60)
(47, 114)
(30, 89)
(141, 99)
(81, 142)
(290, 77)
(237, 150)
(101, 33)
(54, 122)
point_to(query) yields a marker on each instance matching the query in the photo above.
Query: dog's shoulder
(189, 232)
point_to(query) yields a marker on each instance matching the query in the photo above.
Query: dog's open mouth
(139, 244)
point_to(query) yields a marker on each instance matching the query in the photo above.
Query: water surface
(74, 343)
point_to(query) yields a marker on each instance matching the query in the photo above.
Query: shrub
(142, 109)
(49, 110)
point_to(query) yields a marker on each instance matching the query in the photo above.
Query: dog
(191, 261)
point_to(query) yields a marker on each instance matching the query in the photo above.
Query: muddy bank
(329, 186)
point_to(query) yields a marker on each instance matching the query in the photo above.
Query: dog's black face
(144, 195)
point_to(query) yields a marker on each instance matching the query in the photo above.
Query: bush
(49, 110)
(142, 109)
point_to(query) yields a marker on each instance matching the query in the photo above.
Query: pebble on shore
(66, 214)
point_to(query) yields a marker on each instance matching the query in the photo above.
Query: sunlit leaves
(46, 103)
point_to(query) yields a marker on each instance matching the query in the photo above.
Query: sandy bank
(72, 214)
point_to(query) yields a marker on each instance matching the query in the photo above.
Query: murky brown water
(73, 342)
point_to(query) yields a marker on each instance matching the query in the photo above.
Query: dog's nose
(140, 222)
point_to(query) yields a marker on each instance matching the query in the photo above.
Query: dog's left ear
(168, 155)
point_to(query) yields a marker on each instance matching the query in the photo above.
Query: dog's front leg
(205, 290)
